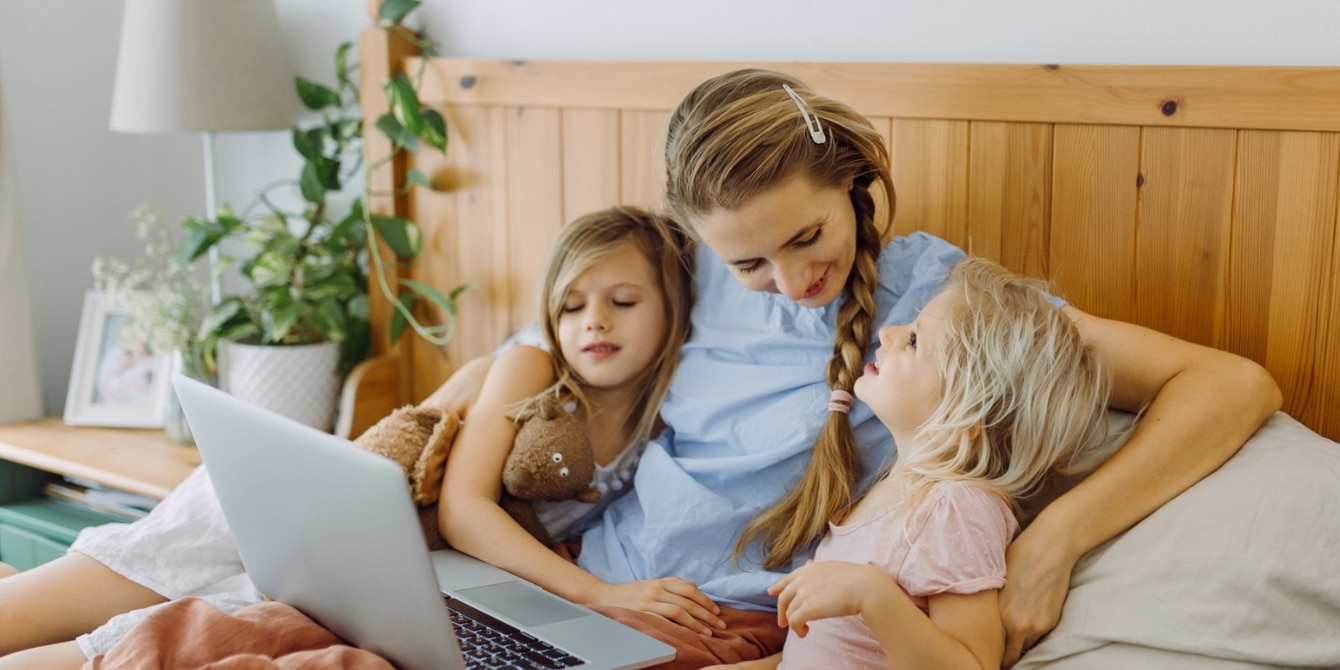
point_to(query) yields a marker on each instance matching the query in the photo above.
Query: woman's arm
(462, 388)
(962, 631)
(472, 521)
(1200, 405)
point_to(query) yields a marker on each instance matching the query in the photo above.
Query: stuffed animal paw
(418, 439)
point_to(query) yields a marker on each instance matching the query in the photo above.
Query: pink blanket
(190, 634)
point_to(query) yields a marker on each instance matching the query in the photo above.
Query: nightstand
(33, 529)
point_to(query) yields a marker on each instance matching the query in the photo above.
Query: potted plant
(307, 266)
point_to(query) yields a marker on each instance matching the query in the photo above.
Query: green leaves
(439, 334)
(202, 234)
(315, 96)
(425, 124)
(402, 235)
(392, 12)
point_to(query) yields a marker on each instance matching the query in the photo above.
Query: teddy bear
(551, 459)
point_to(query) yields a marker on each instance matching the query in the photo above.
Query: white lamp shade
(202, 65)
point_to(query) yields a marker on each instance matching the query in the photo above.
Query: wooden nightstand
(34, 529)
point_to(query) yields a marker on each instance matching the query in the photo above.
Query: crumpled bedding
(191, 634)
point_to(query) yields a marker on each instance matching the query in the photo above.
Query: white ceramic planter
(298, 381)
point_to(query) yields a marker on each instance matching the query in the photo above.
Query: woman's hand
(1038, 580)
(825, 589)
(675, 599)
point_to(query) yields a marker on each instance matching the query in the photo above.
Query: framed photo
(117, 379)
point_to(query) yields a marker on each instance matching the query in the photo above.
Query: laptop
(330, 529)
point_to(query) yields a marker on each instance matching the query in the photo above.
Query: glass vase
(174, 419)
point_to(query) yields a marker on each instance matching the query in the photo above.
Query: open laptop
(330, 529)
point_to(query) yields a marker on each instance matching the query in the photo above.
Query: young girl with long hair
(988, 393)
(615, 300)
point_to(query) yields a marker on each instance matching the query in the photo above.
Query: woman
(795, 275)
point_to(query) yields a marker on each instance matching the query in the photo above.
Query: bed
(1199, 201)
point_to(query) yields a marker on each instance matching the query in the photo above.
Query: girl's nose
(886, 334)
(597, 319)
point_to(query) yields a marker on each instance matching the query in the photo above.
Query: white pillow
(1241, 570)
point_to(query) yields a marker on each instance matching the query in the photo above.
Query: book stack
(93, 496)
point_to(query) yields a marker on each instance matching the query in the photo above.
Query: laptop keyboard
(487, 642)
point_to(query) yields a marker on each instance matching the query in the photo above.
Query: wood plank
(1092, 247)
(1327, 387)
(367, 396)
(1283, 268)
(930, 172)
(535, 212)
(591, 161)
(642, 158)
(465, 246)
(1185, 203)
(1188, 96)
(1009, 194)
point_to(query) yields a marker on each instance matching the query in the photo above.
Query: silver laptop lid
(324, 526)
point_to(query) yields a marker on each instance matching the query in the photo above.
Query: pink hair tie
(840, 401)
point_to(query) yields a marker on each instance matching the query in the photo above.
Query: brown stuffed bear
(418, 439)
(551, 459)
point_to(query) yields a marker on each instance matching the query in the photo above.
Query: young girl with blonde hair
(988, 393)
(615, 302)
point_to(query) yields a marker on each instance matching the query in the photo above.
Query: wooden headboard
(1199, 201)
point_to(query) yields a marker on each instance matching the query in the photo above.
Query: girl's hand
(826, 589)
(675, 599)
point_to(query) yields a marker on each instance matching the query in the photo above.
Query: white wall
(76, 181)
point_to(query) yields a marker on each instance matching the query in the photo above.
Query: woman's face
(796, 239)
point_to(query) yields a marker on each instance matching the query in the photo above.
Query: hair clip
(816, 130)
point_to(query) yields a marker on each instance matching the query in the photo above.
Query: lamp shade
(202, 65)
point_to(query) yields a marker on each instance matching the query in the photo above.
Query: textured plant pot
(297, 381)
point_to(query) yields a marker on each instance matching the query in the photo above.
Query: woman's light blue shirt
(745, 408)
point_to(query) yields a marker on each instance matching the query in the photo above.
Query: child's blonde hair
(735, 136)
(1023, 395)
(587, 241)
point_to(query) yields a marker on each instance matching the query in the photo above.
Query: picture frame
(116, 380)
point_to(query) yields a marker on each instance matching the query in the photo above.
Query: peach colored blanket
(190, 634)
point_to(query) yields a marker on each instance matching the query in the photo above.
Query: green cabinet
(33, 529)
